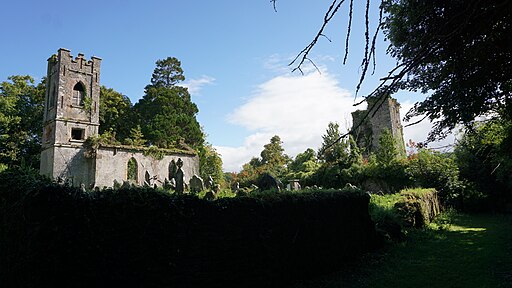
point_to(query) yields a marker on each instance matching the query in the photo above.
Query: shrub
(53, 234)
(436, 170)
(418, 207)
(409, 208)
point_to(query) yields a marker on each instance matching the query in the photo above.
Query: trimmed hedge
(418, 207)
(409, 208)
(54, 235)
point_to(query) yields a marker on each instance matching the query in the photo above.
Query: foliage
(303, 167)
(393, 213)
(168, 73)
(484, 157)
(273, 158)
(154, 152)
(48, 227)
(272, 161)
(337, 159)
(136, 137)
(333, 151)
(427, 38)
(418, 207)
(21, 111)
(166, 112)
(132, 170)
(385, 177)
(115, 112)
(210, 164)
(436, 170)
(387, 152)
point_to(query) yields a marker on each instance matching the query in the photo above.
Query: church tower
(71, 115)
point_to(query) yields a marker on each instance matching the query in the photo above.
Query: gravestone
(209, 183)
(180, 185)
(196, 184)
(268, 182)
(209, 196)
(294, 184)
(235, 188)
(216, 188)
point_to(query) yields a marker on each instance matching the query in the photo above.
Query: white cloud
(195, 85)
(297, 108)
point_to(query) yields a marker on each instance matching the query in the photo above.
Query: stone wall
(387, 116)
(68, 163)
(112, 164)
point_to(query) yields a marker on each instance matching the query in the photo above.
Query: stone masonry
(387, 116)
(71, 115)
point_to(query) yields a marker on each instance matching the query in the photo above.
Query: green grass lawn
(459, 251)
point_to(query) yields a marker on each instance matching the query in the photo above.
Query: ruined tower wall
(387, 116)
(70, 118)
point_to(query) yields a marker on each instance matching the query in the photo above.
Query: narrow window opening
(77, 134)
(132, 169)
(78, 94)
(147, 179)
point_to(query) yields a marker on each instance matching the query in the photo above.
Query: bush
(436, 170)
(51, 235)
(409, 208)
(418, 207)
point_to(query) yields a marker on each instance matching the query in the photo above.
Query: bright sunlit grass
(454, 251)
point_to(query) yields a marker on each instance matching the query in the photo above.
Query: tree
(210, 164)
(168, 73)
(115, 113)
(460, 51)
(333, 151)
(484, 158)
(166, 112)
(304, 167)
(387, 153)
(457, 52)
(21, 114)
(272, 161)
(136, 137)
(432, 169)
(273, 158)
(334, 154)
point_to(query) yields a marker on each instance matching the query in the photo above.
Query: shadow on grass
(471, 251)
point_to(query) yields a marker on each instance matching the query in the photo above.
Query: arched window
(147, 179)
(132, 170)
(172, 169)
(78, 94)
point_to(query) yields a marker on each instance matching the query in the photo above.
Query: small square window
(77, 134)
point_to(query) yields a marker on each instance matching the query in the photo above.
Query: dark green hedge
(418, 207)
(54, 235)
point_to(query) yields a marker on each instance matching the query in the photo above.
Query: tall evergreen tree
(166, 112)
(273, 158)
(333, 151)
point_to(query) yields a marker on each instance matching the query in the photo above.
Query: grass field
(456, 251)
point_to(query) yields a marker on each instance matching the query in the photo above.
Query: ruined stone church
(71, 116)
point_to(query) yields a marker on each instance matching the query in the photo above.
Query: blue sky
(234, 55)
